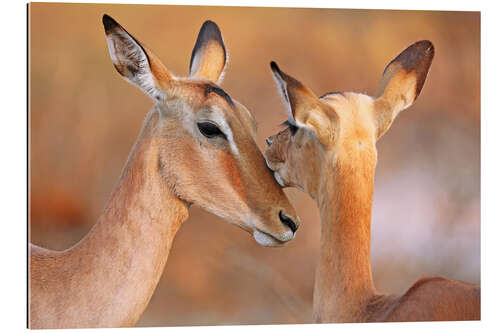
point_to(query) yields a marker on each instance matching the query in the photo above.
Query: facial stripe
(216, 90)
(218, 117)
(332, 93)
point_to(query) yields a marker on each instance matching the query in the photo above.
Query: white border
(13, 162)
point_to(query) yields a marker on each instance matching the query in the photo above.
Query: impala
(197, 146)
(328, 151)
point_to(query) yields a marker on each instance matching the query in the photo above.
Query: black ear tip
(210, 24)
(425, 47)
(426, 44)
(108, 22)
(274, 67)
(429, 47)
(211, 30)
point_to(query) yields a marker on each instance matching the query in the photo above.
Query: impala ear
(304, 107)
(401, 83)
(209, 57)
(134, 62)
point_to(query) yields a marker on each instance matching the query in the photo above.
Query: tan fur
(212, 69)
(339, 175)
(107, 279)
(162, 77)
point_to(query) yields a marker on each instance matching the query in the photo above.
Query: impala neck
(122, 258)
(343, 277)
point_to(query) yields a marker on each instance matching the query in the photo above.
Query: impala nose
(288, 221)
(269, 141)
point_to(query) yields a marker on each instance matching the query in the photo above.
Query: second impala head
(336, 133)
(205, 139)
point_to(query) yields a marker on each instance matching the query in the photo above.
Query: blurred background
(426, 212)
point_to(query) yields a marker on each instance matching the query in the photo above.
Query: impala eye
(210, 130)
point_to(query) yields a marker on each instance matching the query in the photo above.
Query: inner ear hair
(135, 63)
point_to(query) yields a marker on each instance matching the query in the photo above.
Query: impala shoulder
(444, 299)
(407, 307)
(424, 282)
(439, 289)
(423, 285)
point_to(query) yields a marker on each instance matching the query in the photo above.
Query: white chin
(265, 240)
(278, 179)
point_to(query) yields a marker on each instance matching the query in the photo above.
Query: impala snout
(277, 226)
(275, 158)
(288, 221)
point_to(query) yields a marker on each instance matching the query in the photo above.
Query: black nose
(269, 141)
(288, 221)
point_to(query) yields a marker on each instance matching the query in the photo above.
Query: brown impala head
(205, 139)
(341, 126)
